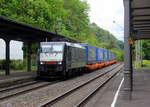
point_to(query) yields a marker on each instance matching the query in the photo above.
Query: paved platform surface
(140, 96)
(105, 97)
(16, 76)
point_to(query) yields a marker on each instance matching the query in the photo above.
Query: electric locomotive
(60, 59)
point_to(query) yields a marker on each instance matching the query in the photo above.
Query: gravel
(34, 98)
(75, 97)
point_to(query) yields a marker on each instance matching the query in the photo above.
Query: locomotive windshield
(51, 52)
(51, 48)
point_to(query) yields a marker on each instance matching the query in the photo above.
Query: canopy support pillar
(28, 57)
(128, 73)
(7, 66)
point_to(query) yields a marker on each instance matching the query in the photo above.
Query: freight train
(64, 58)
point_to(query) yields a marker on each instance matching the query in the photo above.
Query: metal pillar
(38, 58)
(127, 49)
(7, 57)
(28, 56)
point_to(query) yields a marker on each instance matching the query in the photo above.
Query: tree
(146, 49)
(67, 17)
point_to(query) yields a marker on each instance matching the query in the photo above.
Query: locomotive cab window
(52, 48)
(51, 52)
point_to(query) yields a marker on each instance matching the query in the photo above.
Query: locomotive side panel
(76, 57)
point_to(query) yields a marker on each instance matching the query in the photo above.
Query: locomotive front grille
(51, 68)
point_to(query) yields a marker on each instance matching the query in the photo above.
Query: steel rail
(18, 86)
(65, 94)
(26, 91)
(90, 95)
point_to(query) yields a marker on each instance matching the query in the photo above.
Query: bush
(146, 63)
(119, 54)
(17, 64)
(14, 64)
(2, 64)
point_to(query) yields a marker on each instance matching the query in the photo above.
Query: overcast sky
(15, 50)
(102, 12)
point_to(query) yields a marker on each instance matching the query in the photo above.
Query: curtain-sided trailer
(97, 57)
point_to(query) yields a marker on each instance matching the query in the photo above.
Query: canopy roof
(140, 19)
(13, 30)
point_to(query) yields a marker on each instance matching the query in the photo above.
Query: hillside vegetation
(67, 17)
(146, 49)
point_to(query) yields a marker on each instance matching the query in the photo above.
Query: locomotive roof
(67, 43)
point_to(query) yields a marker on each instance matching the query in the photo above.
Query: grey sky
(15, 50)
(104, 12)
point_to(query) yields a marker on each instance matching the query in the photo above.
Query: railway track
(106, 76)
(17, 90)
(5, 89)
(90, 95)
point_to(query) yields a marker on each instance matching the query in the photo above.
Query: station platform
(140, 96)
(113, 94)
(16, 77)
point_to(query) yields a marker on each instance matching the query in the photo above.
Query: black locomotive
(60, 59)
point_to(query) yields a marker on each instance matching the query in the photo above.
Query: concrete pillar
(128, 75)
(28, 56)
(7, 57)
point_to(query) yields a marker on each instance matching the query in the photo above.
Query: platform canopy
(13, 30)
(140, 19)
(136, 27)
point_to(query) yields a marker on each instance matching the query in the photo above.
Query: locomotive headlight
(41, 63)
(59, 62)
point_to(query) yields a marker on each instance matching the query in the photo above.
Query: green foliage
(14, 64)
(2, 64)
(1, 70)
(144, 64)
(105, 38)
(119, 54)
(66, 17)
(146, 49)
(17, 64)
